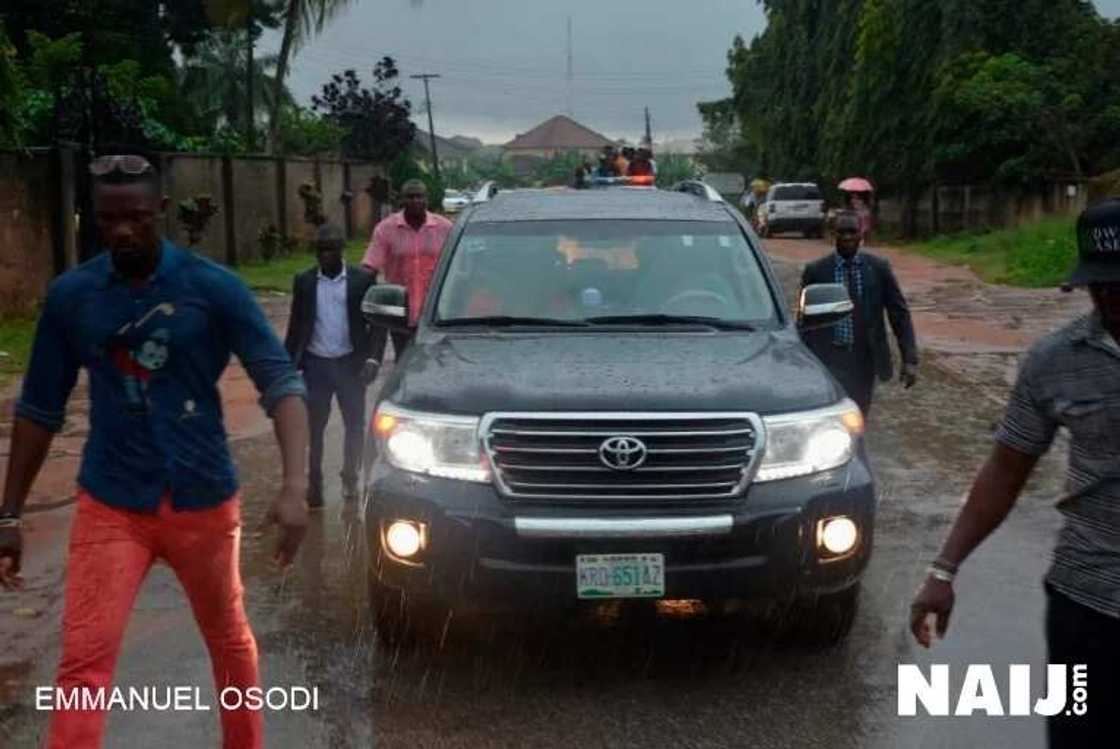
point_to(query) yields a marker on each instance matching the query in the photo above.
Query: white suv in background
(793, 206)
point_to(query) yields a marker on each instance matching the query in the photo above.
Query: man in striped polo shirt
(1069, 379)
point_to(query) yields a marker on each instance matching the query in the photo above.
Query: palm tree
(213, 80)
(303, 19)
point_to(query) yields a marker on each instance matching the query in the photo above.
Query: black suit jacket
(301, 322)
(880, 293)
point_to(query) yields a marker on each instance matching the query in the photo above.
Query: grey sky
(503, 61)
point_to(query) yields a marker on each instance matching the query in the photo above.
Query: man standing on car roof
(856, 351)
(1071, 379)
(405, 249)
(154, 326)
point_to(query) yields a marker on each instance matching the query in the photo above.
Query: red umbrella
(856, 184)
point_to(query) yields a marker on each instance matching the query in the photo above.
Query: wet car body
(543, 402)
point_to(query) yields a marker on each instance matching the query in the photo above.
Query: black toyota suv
(606, 398)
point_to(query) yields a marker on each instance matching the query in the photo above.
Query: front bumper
(484, 549)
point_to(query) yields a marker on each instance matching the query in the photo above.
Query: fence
(958, 208)
(39, 222)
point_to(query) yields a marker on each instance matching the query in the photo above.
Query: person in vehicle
(608, 163)
(857, 351)
(642, 164)
(622, 161)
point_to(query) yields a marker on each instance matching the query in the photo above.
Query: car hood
(764, 372)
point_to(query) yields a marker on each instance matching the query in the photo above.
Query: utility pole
(649, 132)
(431, 125)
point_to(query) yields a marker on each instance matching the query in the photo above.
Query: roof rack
(700, 189)
(488, 190)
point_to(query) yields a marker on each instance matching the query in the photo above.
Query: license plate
(800, 207)
(620, 575)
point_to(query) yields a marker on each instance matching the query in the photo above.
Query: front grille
(557, 456)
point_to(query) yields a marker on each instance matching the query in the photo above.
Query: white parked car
(455, 201)
(793, 206)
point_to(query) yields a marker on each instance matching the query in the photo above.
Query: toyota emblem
(622, 453)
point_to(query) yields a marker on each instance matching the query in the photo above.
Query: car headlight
(433, 444)
(800, 444)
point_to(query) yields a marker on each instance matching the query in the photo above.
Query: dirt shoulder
(972, 329)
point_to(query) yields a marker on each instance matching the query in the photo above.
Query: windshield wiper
(509, 321)
(658, 319)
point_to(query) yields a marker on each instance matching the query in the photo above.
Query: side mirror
(823, 305)
(386, 305)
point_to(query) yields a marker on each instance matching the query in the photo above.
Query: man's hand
(909, 376)
(11, 549)
(934, 597)
(289, 511)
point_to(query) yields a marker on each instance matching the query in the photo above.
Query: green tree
(304, 133)
(303, 20)
(675, 167)
(213, 81)
(377, 119)
(11, 92)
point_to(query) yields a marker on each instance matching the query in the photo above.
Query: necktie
(854, 292)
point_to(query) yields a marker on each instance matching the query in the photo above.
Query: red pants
(111, 552)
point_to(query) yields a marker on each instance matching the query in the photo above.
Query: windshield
(585, 270)
(797, 192)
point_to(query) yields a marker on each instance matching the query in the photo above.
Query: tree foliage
(911, 92)
(377, 119)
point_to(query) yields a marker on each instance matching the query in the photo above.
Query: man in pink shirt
(404, 250)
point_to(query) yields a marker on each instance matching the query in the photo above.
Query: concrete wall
(963, 208)
(186, 176)
(332, 183)
(27, 215)
(362, 210)
(257, 205)
(298, 172)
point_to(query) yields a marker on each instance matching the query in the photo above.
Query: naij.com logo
(941, 692)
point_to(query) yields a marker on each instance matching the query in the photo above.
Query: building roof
(559, 133)
(448, 149)
(617, 203)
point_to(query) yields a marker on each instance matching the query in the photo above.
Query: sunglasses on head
(129, 164)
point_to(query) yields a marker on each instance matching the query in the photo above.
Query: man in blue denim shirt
(154, 325)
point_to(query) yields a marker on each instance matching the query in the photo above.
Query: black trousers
(854, 369)
(1078, 634)
(327, 379)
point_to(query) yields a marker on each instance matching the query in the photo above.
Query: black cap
(1098, 244)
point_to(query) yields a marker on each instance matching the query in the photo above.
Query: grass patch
(16, 334)
(1035, 255)
(277, 275)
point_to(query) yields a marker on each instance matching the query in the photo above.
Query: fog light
(837, 535)
(404, 539)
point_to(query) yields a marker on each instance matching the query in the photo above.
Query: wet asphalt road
(616, 676)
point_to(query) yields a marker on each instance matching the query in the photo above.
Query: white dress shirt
(330, 338)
